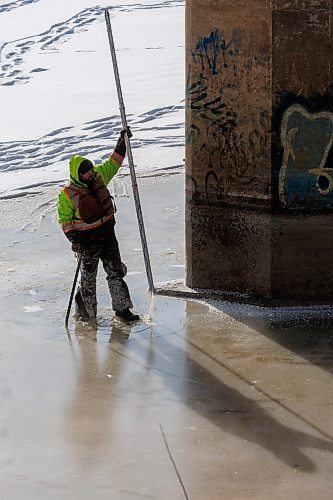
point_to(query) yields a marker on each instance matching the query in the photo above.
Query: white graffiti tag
(306, 174)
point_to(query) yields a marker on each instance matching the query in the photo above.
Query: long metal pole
(130, 157)
(73, 290)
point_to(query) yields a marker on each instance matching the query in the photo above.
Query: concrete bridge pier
(259, 158)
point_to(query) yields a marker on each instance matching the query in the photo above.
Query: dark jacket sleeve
(120, 148)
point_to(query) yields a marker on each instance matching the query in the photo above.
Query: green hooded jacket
(66, 208)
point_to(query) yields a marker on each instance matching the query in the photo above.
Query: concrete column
(259, 133)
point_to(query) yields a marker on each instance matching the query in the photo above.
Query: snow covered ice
(57, 89)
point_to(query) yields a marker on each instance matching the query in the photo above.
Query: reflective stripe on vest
(79, 224)
(117, 158)
(67, 226)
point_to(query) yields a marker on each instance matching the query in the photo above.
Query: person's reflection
(98, 369)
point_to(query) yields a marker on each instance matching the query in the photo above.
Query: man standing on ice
(86, 215)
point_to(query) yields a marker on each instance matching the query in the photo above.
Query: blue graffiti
(210, 47)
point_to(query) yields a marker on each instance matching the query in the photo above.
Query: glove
(126, 131)
(76, 247)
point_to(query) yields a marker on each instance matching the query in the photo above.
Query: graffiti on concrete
(306, 174)
(210, 48)
(216, 179)
(211, 110)
(225, 144)
(212, 56)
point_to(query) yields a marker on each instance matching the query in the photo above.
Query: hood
(74, 164)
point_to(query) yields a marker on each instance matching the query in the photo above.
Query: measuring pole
(130, 157)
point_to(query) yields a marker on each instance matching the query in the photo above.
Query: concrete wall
(259, 131)
(302, 159)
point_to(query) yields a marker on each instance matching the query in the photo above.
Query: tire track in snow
(12, 53)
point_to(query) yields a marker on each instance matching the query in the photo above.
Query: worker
(86, 213)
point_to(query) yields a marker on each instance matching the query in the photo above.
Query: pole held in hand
(73, 290)
(130, 157)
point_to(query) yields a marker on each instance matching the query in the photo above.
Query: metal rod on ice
(130, 157)
(73, 290)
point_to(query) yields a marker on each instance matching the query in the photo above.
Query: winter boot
(127, 315)
(80, 310)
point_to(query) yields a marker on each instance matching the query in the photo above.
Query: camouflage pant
(108, 253)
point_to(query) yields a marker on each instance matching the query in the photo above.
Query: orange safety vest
(94, 205)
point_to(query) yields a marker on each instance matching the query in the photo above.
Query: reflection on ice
(33, 308)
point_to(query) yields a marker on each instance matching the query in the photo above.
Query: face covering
(89, 182)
